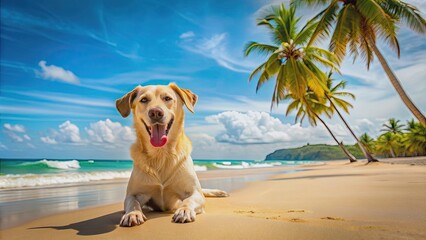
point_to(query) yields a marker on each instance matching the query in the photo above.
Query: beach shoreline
(49, 200)
(336, 200)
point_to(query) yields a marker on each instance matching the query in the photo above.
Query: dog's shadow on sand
(100, 225)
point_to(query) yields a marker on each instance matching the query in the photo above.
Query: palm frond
(340, 38)
(306, 32)
(270, 69)
(325, 21)
(257, 70)
(409, 14)
(299, 3)
(260, 48)
(315, 77)
(324, 57)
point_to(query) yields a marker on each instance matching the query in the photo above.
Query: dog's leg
(133, 210)
(189, 208)
(214, 193)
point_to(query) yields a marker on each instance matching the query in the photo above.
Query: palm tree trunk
(398, 87)
(347, 153)
(392, 152)
(364, 150)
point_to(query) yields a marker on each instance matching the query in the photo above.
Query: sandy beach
(336, 200)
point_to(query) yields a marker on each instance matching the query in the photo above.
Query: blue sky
(63, 64)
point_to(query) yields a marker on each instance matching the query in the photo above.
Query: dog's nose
(156, 113)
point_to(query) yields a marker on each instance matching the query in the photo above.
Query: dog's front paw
(184, 215)
(132, 218)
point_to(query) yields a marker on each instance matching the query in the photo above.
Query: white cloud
(66, 98)
(53, 72)
(15, 137)
(3, 147)
(103, 132)
(26, 137)
(238, 103)
(140, 77)
(215, 48)
(253, 135)
(15, 128)
(186, 35)
(16, 132)
(67, 132)
(109, 132)
(257, 127)
(48, 140)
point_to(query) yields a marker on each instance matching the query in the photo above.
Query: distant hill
(314, 152)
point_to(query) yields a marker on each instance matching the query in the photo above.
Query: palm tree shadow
(99, 225)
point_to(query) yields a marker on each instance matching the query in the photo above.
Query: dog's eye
(144, 100)
(167, 98)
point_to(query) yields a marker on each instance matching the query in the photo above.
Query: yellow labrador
(163, 175)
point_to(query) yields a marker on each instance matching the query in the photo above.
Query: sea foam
(243, 165)
(199, 168)
(33, 180)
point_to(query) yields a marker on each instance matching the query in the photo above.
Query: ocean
(19, 173)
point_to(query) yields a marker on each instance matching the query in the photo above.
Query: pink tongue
(158, 135)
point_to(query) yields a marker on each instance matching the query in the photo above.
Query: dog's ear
(124, 104)
(188, 97)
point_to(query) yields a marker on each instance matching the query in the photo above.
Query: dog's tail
(214, 193)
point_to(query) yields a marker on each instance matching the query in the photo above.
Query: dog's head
(157, 110)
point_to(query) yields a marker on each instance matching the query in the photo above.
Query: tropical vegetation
(298, 66)
(397, 141)
(334, 97)
(314, 152)
(356, 26)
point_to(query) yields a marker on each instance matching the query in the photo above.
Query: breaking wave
(72, 164)
(34, 180)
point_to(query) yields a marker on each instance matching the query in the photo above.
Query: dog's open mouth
(158, 133)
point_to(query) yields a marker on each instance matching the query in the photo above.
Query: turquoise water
(42, 166)
(16, 173)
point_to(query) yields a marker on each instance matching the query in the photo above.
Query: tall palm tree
(294, 66)
(312, 107)
(333, 96)
(392, 126)
(367, 141)
(358, 23)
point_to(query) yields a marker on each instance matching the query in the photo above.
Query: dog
(163, 176)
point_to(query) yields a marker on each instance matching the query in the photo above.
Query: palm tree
(411, 124)
(294, 66)
(332, 96)
(415, 139)
(367, 141)
(388, 143)
(311, 106)
(358, 23)
(393, 126)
